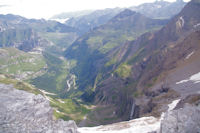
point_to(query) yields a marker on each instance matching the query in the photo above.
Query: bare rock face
(184, 120)
(23, 112)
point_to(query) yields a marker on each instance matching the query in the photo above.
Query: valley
(111, 70)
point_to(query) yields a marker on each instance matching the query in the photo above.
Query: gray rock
(23, 112)
(184, 120)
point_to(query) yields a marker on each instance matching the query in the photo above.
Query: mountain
(40, 45)
(95, 45)
(128, 67)
(160, 9)
(10, 21)
(20, 64)
(27, 34)
(143, 75)
(94, 19)
(12, 33)
(75, 14)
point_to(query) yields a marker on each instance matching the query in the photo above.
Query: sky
(47, 8)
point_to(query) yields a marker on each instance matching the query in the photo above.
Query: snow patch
(182, 81)
(61, 20)
(194, 78)
(140, 125)
(173, 105)
(197, 25)
(188, 56)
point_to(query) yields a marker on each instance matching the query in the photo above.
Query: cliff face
(146, 62)
(184, 120)
(22, 112)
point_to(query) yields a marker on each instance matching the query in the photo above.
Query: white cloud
(47, 8)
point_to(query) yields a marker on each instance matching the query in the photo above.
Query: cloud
(48, 8)
(3, 6)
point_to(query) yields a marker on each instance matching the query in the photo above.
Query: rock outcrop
(184, 120)
(23, 112)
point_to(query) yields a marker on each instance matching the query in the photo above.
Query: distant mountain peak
(125, 13)
(195, 1)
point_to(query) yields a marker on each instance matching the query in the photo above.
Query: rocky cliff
(146, 63)
(23, 112)
(184, 120)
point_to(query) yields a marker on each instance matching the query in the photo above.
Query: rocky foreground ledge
(23, 112)
(182, 120)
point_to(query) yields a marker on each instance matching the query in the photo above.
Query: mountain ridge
(143, 64)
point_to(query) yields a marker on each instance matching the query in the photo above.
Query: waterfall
(69, 85)
(132, 111)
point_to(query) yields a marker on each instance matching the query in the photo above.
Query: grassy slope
(8, 37)
(62, 40)
(54, 80)
(6, 79)
(14, 61)
(98, 43)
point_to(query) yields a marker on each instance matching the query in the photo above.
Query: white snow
(140, 125)
(61, 20)
(182, 81)
(173, 104)
(194, 78)
(195, 26)
(188, 56)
